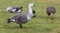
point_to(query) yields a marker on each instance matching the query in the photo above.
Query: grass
(39, 24)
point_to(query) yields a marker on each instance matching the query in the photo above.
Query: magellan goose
(13, 9)
(51, 11)
(23, 17)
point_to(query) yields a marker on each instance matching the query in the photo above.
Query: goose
(51, 11)
(23, 17)
(13, 9)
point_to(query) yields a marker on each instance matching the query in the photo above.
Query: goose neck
(30, 9)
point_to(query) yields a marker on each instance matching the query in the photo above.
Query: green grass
(39, 24)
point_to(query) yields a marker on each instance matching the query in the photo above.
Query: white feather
(12, 20)
(19, 11)
(9, 8)
(13, 10)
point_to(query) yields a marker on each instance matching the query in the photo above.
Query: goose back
(22, 18)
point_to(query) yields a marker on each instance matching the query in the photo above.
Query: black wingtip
(8, 21)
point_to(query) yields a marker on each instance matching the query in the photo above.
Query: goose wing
(22, 18)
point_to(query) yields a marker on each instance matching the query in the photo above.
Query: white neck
(30, 14)
(30, 10)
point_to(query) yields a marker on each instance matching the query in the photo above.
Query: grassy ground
(40, 24)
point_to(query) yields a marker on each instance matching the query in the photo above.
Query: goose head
(31, 5)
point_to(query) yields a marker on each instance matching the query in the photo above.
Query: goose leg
(20, 25)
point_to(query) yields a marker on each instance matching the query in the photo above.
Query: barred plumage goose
(51, 11)
(13, 9)
(23, 17)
